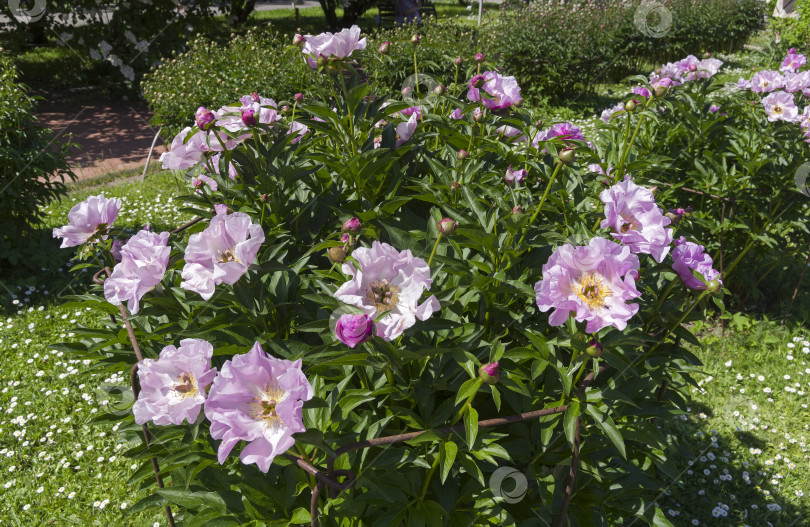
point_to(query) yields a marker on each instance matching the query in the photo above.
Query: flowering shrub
(358, 280)
(730, 154)
(33, 171)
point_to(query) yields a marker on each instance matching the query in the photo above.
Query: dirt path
(112, 135)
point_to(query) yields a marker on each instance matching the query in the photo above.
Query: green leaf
(450, 451)
(471, 426)
(603, 421)
(570, 420)
(301, 515)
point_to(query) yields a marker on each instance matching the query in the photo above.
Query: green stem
(429, 475)
(468, 402)
(626, 148)
(542, 200)
(415, 71)
(435, 246)
(661, 299)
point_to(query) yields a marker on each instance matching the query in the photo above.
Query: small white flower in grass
(761, 378)
(123, 506)
(60, 490)
(96, 504)
(71, 495)
(40, 489)
(26, 507)
(799, 493)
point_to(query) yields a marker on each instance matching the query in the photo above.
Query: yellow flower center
(592, 289)
(263, 406)
(777, 109)
(186, 386)
(228, 255)
(383, 295)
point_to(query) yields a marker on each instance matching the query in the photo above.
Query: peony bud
(352, 225)
(438, 90)
(415, 39)
(254, 97)
(298, 96)
(567, 156)
(447, 226)
(630, 105)
(263, 198)
(285, 108)
(385, 47)
(713, 286)
(478, 114)
(298, 40)
(517, 209)
(249, 117)
(489, 373)
(406, 91)
(458, 61)
(479, 58)
(455, 185)
(204, 118)
(594, 348)
(692, 67)
(345, 238)
(462, 155)
(354, 329)
(336, 254)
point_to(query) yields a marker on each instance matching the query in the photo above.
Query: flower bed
(354, 315)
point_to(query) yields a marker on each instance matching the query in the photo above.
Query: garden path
(112, 135)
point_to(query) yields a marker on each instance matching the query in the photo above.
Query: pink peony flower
(259, 399)
(299, 129)
(405, 130)
(608, 114)
(143, 263)
(88, 219)
(456, 114)
(115, 250)
(509, 132)
(640, 90)
(413, 110)
(221, 253)
(515, 176)
(333, 46)
(780, 107)
(690, 256)
(793, 61)
(713, 108)
(797, 82)
(503, 92)
(354, 329)
(564, 131)
(173, 386)
(635, 219)
(767, 81)
(593, 282)
(214, 163)
(388, 282)
(743, 84)
(184, 154)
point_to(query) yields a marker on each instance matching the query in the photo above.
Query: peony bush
(386, 299)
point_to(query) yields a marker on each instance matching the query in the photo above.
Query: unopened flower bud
(264, 197)
(254, 97)
(594, 348)
(692, 67)
(415, 39)
(489, 373)
(204, 118)
(458, 61)
(707, 54)
(447, 226)
(462, 155)
(285, 108)
(384, 48)
(336, 254)
(298, 40)
(354, 329)
(438, 90)
(630, 105)
(298, 96)
(406, 91)
(249, 117)
(517, 209)
(567, 156)
(661, 90)
(674, 218)
(352, 225)
(478, 114)
(713, 286)
(479, 58)
(455, 185)
(345, 238)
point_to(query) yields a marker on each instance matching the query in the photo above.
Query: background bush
(555, 48)
(32, 173)
(794, 32)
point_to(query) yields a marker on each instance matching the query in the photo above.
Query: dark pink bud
(692, 67)
(415, 39)
(489, 373)
(447, 226)
(352, 225)
(298, 40)
(345, 238)
(479, 58)
(249, 117)
(254, 97)
(204, 117)
(462, 155)
(438, 90)
(458, 61)
(298, 96)
(594, 348)
(455, 185)
(406, 91)
(354, 329)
